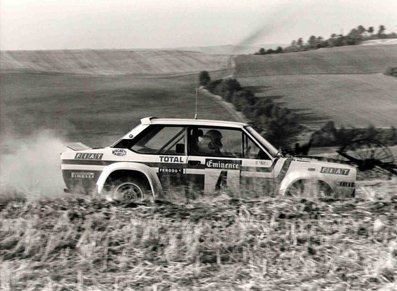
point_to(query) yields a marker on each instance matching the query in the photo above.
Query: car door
(163, 148)
(258, 168)
(214, 159)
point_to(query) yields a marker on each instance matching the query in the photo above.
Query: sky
(126, 24)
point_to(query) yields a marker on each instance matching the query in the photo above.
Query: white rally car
(204, 156)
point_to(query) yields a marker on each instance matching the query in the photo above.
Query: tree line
(277, 124)
(355, 36)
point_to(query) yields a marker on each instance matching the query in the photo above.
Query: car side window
(252, 151)
(216, 142)
(159, 139)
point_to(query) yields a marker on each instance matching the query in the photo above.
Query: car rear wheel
(309, 188)
(324, 190)
(129, 189)
(297, 189)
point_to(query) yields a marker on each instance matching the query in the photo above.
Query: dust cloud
(31, 165)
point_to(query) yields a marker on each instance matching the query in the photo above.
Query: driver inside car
(211, 142)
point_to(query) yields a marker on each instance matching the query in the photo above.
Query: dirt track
(238, 116)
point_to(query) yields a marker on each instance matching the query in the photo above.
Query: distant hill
(337, 60)
(343, 84)
(112, 62)
(231, 49)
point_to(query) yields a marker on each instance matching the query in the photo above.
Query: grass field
(113, 62)
(343, 84)
(356, 100)
(97, 109)
(338, 60)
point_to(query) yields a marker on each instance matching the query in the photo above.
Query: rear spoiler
(77, 146)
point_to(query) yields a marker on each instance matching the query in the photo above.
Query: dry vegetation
(81, 243)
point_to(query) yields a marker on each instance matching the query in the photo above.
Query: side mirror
(180, 148)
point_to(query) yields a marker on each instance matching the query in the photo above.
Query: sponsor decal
(223, 164)
(82, 175)
(170, 159)
(166, 170)
(263, 163)
(88, 156)
(119, 152)
(334, 171)
(347, 184)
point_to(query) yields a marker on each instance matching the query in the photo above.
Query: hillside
(231, 49)
(112, 62)
(338, 60)
(356, 100)
(342, 84)
(97, 109)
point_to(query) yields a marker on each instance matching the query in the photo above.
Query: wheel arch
(125, 168)
(296, 177)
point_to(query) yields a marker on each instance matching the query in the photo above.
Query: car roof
(199, 122)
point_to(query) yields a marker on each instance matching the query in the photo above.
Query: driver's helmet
(215, 139)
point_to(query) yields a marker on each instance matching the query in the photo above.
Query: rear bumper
(80, 181)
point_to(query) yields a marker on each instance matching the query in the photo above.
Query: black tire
(129, 189)
(309, 188)
(297, 189)
(325, 190)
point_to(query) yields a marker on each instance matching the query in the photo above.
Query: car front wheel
(129, 189)
(309, 188)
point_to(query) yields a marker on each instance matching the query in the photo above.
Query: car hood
(323, 161)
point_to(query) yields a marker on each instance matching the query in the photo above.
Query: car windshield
(269, 147)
